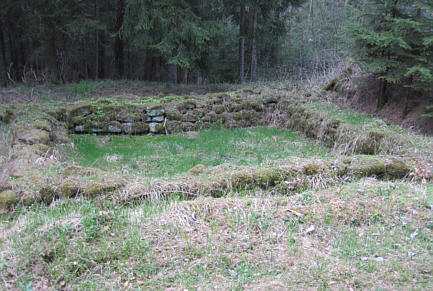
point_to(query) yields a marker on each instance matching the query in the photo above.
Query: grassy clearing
(364, 235)
(169, 155)
(267, 232)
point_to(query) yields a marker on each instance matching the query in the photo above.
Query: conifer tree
(394, 40)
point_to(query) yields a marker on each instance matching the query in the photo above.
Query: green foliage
(429, 114)
(394, 39)
(171, 28)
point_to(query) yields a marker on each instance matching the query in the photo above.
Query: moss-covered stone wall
(172, 115)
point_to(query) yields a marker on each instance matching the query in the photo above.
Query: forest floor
(272, 207)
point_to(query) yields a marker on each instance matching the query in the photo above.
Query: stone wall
(171, 115)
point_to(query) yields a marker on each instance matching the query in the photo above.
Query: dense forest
(195, 41)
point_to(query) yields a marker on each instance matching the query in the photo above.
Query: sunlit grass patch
(175, 154)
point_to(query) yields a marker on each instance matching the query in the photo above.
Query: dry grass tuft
(6, 138)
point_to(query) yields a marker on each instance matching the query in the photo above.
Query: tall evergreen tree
(394, 39)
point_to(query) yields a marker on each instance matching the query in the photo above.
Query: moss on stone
(43, 125)
(47, 193)
(189, 104)
(188, 126)
(210, 117)
(218, 109)
(285, 188)
(267, 177)
(155, 107)
(190, 117)
(396, 168)
(33, 136)
(248, 117)
(311, 169)
(142, 128)
(59, 114)
(8, 199)
(173, 114)
(197, 170)
(69, 188)
(94, 190)
(366, 166)
(107, 185)
(6, 114)
(173, 126)
(242, 180)
(216, 187)
(78, 120)
(82, 110)
(157, 128)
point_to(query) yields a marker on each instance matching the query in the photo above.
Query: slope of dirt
(405, 108)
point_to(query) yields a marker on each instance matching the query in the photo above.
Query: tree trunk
(101, 59)
(3, 62)
(13, 66)
(118, 41)
(383, 96)
(96, 42)
(148, 65)
(310, 13)
(52, 63)
(252, 15)
(241, 62)
(173, 73)
(199, 79)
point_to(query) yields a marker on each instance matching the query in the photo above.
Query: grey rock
(311, 229)
(79, 128)
(96, 130)
(158, 118)
(84, 111)
(190, 106)
(127, 127)
(126, 120)
(152, 127)
(380, 259)
(189, 118)
(114, 129)
(156, 112)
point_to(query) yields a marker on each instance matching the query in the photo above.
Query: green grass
(175, 154)
(238, 243)
(5, 139)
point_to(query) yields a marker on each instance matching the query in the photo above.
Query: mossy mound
(7, 114)
(8, 199)
(33, 136)
(197, 170)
